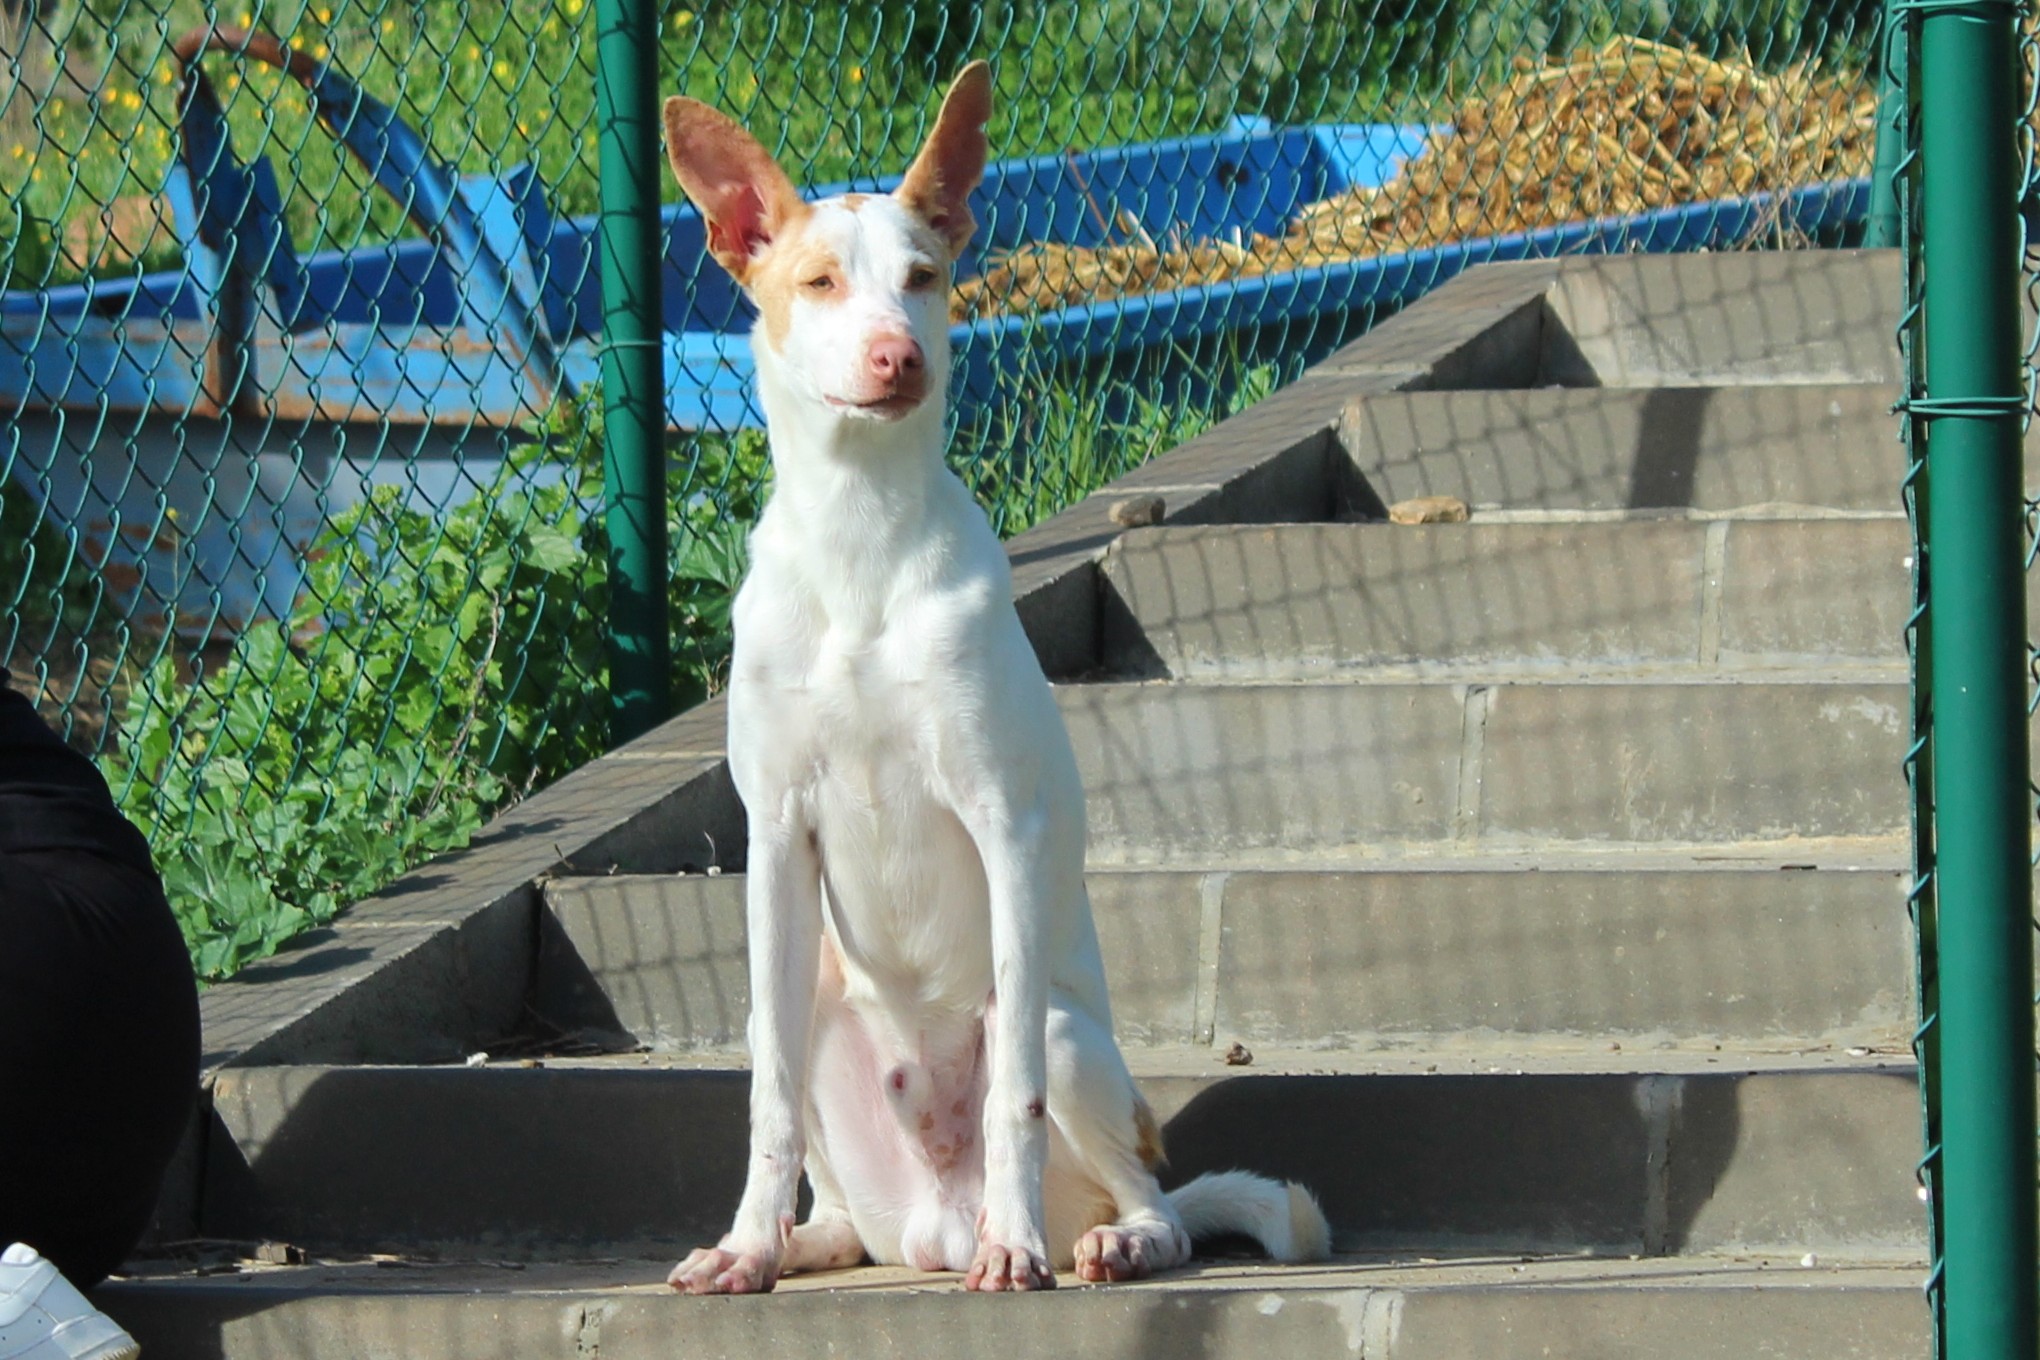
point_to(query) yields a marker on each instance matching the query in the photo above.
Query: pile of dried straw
(1634, 126)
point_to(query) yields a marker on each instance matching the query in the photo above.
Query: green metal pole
(633, 372)
(1881, 230)
(1983, 807)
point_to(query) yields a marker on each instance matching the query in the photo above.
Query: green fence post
(633, 371)
(1882, 228)
(1983, 805)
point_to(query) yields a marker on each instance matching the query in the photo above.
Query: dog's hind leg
(1132, 1230)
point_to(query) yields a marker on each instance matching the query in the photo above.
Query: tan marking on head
(782, 274)
(1148, 1135)
(852, 202)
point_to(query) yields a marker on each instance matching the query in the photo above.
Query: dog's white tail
(1283, 1218)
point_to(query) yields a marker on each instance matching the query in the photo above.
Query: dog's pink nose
(896, 360)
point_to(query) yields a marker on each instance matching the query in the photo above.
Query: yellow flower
(856, 74)
(502, 70)
(683, 18)
(389, 25)
(574, 7)
(325, 16)
(322, 51)
(18, 151)
(522, 130)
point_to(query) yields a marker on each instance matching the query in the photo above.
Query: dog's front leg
(1012, 1243)
(783, 912)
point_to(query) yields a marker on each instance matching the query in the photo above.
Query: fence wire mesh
(300, 484)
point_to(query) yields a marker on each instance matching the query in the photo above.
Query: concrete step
(1655, 1153)
(1727, 1308)
(1689, 595)
(1549, 950)
(1749, 317)
(1713, 448)
(1262, 774)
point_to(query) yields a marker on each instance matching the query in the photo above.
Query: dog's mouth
(883, 408)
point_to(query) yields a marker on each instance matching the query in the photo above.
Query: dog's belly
(899, 1118)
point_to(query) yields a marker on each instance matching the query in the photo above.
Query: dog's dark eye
(921, 276)
(820, 283)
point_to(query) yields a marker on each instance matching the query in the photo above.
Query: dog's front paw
(717, 1270)
(999, 1267)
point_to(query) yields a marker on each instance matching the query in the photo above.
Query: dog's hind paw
(999, 1268)
(714, 1270)
(1112, 1252)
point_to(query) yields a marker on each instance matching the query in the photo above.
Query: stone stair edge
(1397, 1310)
(1699, 1158)
(1386, 959)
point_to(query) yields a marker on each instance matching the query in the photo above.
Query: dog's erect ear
(939, 182)
(742, 193)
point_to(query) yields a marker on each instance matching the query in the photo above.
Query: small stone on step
(1429, 510)
(1238, 1055)
(1137, 512)
(278, 1254)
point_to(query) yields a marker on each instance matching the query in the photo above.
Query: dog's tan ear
(743, 195)
(951, 163)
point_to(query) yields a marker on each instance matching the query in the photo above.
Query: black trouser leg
(99, 1053)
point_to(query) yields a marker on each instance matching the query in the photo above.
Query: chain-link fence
(299, 328)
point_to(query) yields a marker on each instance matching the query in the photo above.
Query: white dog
(929, 1032)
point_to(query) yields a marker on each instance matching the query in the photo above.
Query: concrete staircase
(1531, 887)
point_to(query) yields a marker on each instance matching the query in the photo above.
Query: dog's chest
(853, 721)
(868, 700)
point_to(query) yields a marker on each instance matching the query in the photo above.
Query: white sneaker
(42, 1317)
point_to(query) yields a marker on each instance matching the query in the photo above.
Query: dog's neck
(862, 495)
